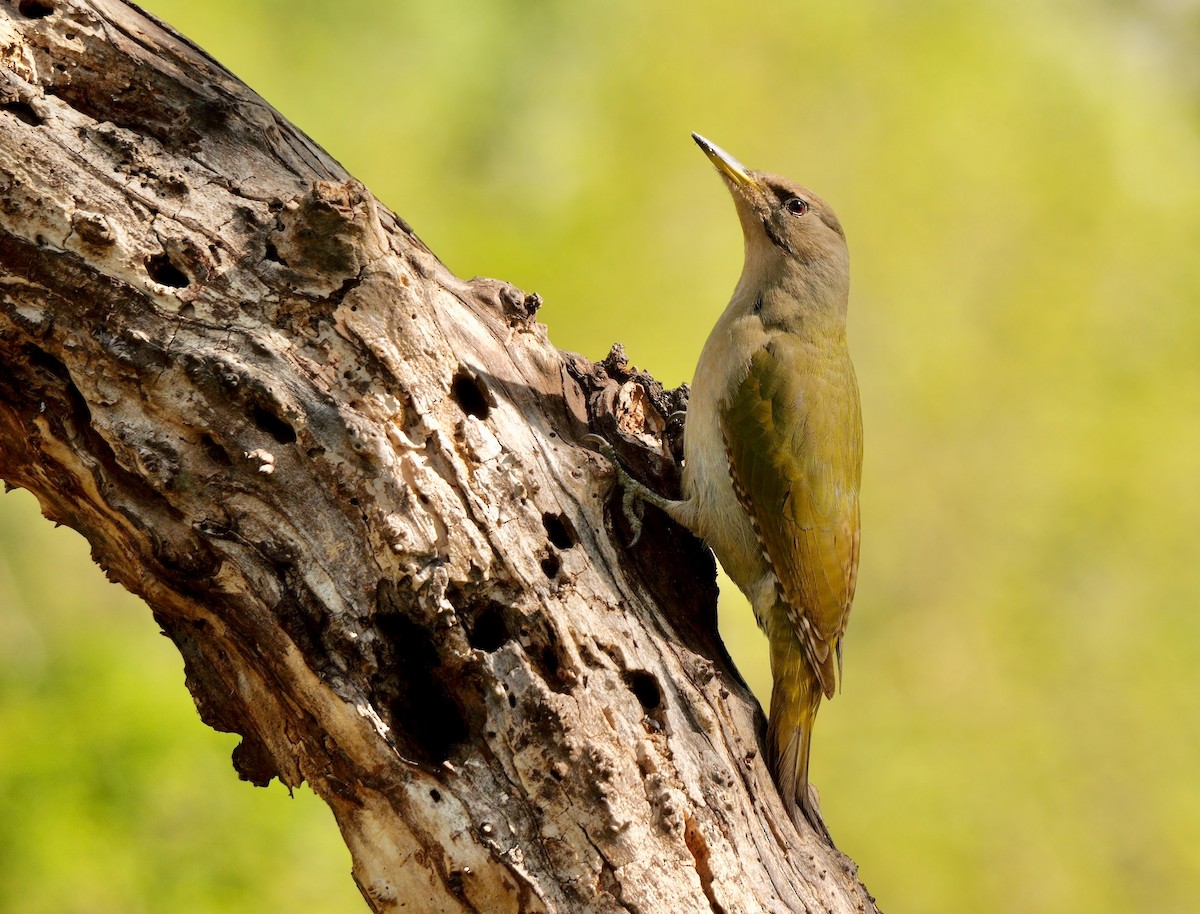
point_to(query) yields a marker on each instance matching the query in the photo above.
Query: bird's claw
(602, 447)
(634, 510)
(632, 503)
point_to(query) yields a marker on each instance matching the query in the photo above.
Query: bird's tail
(795, 696)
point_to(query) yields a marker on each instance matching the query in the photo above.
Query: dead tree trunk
(349, 486)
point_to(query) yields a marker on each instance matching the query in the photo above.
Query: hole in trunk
(35, 9)
(270, 423)
(23, 111)
(165, 273)
(470, 394)
(560, 530)
(489, 632)
(423, 709)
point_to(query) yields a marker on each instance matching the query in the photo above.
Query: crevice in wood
(698, 848)
(422, 707)
(23, 111)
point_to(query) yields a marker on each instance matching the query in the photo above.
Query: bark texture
(349, 486)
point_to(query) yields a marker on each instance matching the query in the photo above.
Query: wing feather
(793, 435)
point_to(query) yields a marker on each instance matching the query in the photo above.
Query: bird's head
(792, 235)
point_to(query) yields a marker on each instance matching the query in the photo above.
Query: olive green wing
(793, 435)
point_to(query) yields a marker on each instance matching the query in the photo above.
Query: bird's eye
(796, 206)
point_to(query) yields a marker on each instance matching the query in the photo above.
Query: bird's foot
(634, 495)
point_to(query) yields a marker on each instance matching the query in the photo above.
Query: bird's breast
(719, 517)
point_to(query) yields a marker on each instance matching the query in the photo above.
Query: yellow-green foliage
(1020, 183)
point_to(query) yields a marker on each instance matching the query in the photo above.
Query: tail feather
(795, 696)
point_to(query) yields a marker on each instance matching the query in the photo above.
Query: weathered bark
(349, 486)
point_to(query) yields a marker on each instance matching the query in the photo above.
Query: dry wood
(349, 486)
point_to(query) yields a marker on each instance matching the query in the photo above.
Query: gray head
(791, 234)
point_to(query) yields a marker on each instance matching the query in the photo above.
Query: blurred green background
(1020, 183)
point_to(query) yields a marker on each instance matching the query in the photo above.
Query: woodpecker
(773, 454)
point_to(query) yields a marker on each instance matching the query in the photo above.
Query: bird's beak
(737, 174)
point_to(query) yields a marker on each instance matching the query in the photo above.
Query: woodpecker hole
(646, 690)
(272, 253)
(270, 423)
(45, 362)
(548, 657)
(35, 9)
(489, 632)
(215, 452)
(560, 531)
(422, 709)
(551, 565)
(165, 273)
(550, 667)
(470, 394)
(23, 111)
